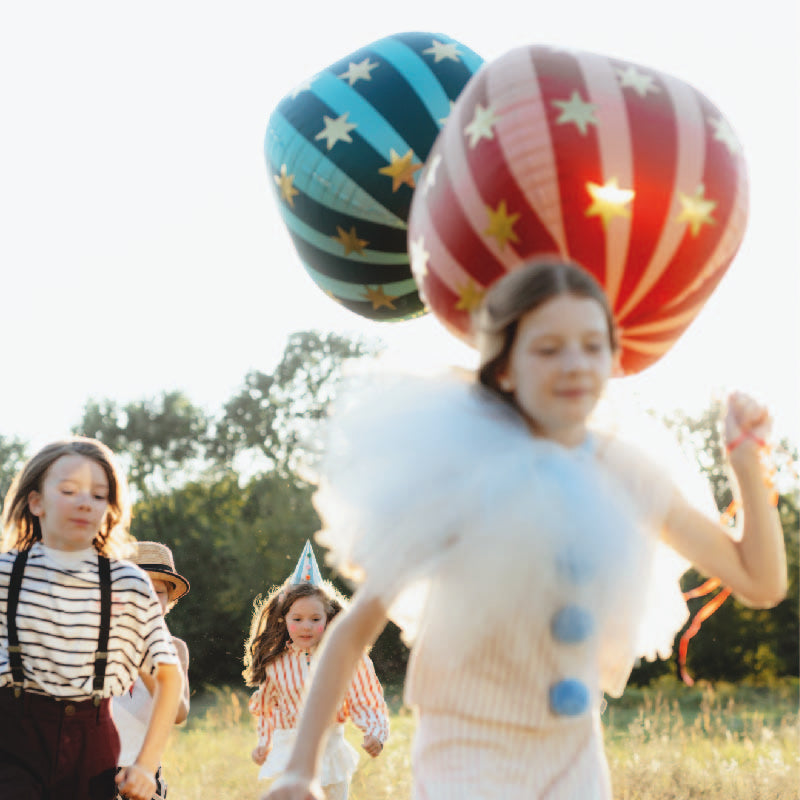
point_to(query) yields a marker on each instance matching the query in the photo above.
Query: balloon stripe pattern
(344, 152)
(552, 153)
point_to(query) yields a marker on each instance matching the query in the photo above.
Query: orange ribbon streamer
(713, 583)
(699, 618)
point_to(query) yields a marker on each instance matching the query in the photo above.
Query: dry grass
(715, 743)
(666, 743)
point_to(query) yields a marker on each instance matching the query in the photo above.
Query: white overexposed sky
(141, 248)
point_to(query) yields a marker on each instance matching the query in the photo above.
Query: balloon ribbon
(712, 583)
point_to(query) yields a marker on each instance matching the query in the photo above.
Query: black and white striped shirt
(58, 621)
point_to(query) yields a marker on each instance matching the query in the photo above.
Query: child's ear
(617, 370)
(35, 502)
(503, 378)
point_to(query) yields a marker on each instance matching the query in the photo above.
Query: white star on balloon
(640, 82)
(724, 133)
(430, 173)
(441, 51)
(360, 71)
(576, 110)
(336, 130)
(481, 125)
(419, 258)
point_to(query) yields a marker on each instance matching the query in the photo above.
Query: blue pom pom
(572, 624)
(569, 698)
(575, 567)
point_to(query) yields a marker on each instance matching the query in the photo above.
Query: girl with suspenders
(76, 626)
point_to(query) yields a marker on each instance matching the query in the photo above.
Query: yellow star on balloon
(470, 296)
(336, 130)
(401, 170)
(696, 209)
(350, 241)
(286, 184)
(379, 298)
(481, 125)
(576, 110)
(501, 225)
(608, 201)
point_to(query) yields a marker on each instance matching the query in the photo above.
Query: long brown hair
(21, 528)
(268, 632)
(525, 289)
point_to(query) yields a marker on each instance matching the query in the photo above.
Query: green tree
(157, 440)
(739, 642)
(12, 457)
(274, 414)
(232, 543)
(225, 494)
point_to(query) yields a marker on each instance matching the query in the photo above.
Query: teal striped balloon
(345, 152)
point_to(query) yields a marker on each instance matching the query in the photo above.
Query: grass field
(663, 743)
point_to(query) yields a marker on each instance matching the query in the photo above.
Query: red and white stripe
(659, 142)
(278, 701)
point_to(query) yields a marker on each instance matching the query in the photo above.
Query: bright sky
(140, 244)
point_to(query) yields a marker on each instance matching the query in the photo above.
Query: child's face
(72, 503)
(162, 589)
(306, 621)
(558, 366)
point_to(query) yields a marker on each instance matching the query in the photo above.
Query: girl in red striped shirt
(286, 630)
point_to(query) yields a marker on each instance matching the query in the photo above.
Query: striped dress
(527, 578)
(58, 620)
(278, 701)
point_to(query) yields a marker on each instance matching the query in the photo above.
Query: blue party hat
(307, 570)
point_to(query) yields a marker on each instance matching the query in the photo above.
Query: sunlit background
(141, 248)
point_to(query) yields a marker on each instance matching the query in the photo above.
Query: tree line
(230, 494)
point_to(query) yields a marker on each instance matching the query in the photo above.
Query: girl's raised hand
(747, 419)
(290, 786)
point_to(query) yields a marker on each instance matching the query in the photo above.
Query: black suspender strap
(101, 656)
(14, 650)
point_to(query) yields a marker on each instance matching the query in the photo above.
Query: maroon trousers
(56, 750)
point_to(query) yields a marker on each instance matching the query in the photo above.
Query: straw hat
(156, 560)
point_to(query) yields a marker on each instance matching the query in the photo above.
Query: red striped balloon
(629, 172)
